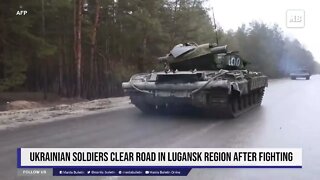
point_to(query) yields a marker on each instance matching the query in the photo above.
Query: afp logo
(21, 12)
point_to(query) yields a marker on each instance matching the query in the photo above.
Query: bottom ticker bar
(121, 171)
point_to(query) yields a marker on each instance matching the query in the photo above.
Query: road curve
(289, 117)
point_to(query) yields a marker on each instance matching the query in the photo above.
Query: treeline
(87, 48)
(269, 51)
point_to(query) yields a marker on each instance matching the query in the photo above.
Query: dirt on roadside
(27, 112)
(30, 100)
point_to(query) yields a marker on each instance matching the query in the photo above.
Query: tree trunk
(45, 88)
(173, 34)
(93, 63)
(77, 43)
(61, 65)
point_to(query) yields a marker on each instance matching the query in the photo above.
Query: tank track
(237, 105)
(234, 106)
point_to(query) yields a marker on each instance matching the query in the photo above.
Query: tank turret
(207, 56)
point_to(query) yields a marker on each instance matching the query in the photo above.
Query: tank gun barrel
(163, 58)
(219, 49)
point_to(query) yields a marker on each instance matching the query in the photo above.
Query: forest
(86, 48)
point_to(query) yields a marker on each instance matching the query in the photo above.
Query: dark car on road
(300, 73)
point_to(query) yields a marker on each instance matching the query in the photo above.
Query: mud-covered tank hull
(224, 93)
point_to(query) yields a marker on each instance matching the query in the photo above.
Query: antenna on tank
(215, 27)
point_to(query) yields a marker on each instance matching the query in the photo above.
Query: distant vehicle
(300, 73)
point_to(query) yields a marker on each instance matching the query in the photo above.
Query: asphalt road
(288, 117)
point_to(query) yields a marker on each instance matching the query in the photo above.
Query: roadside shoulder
(17, 118)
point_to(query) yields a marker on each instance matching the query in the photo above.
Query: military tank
(206, 77)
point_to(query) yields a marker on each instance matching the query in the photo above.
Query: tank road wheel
(233, 109)
(236, 107)
(255, 97)
(241, 104)
(246, 97)
(243, 100)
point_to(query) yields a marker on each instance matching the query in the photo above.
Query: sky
(230, 14)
